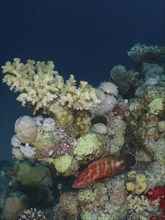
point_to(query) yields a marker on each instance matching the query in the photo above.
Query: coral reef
(80, 135)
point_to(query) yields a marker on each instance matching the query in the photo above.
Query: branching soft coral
(40, 85)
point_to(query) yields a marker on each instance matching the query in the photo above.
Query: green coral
(45, 138)
(134, 105)
(117, 142)
(99, 128)
(31, 175)
(86, 196)
(85, 215)
(156, 106)
(63, 163)
(86, 145)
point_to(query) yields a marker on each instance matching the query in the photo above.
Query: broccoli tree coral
(41, 86)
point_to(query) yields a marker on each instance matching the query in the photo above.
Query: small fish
(103, 167)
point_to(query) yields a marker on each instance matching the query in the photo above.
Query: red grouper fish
(102, 168)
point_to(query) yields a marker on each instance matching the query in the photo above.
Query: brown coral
(69, 204)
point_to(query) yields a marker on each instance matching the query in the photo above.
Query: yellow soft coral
(137, 182)
(86, 196)
(40, 86)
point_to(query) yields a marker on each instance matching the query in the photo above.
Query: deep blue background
(86, 38)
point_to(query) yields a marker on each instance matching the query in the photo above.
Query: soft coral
(156, 193)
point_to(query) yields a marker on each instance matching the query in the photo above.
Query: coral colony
(88, 153)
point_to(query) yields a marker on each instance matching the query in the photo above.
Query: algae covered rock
(14, 203)
(33, 175)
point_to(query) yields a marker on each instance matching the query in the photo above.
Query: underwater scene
(83, 150)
